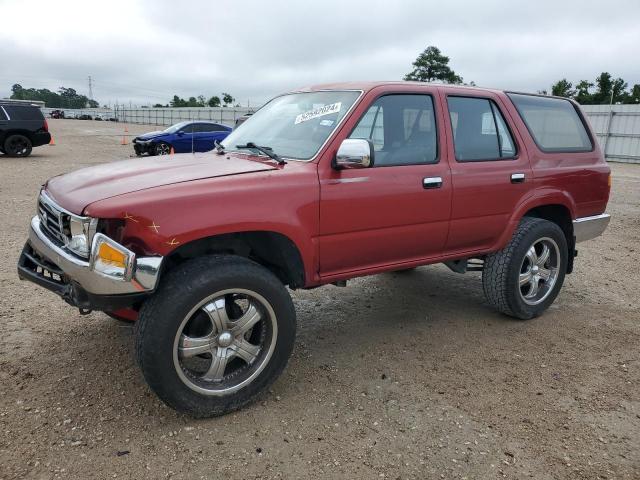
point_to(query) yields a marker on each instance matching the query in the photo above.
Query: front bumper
(141, 147)
(71, 277)
(586, 228)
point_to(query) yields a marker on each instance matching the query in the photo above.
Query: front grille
(53, 221)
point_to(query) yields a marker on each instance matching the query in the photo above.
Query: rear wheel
(17, 146)
(524, 278)
(219, 330)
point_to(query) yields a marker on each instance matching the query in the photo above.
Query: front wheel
(219, 330)
(162, 148)
(524, 278)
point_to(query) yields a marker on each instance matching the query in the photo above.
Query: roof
(366, 86)
(29, 103)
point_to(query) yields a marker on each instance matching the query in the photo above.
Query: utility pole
(90, 88)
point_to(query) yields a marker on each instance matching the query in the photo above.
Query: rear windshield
(19, 112)
(554, 123)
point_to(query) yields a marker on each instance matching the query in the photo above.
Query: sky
(145, 51)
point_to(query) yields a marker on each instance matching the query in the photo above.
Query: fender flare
(539, 199)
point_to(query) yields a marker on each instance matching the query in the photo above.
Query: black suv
(22, 127)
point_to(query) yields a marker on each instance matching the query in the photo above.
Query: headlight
(80, 230)
(111, 259)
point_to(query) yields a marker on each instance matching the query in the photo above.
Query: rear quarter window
(17, 112)
(554, 123)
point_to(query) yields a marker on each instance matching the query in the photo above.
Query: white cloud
(148, 50)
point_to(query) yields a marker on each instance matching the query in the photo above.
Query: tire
(18, 146)
(216, 366)
(162, 148)
(509, 275)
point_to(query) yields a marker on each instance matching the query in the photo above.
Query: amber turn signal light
(110, 255)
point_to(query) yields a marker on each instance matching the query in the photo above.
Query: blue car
(184, 137)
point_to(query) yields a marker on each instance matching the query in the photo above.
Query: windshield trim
(329, 137)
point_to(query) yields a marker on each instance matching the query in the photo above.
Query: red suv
(319, 186)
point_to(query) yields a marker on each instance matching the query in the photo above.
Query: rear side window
(210, 127)
(553, 123)
(479, 130)
(17, 112)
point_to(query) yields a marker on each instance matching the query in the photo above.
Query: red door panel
(373, 219)
(378, 216)
(484, 193)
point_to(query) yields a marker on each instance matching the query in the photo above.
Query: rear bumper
(40, 138)
(52, 267)
(586, 228)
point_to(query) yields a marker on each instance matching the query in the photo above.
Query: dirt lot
(396, 376)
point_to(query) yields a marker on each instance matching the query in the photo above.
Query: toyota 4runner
(319, 186)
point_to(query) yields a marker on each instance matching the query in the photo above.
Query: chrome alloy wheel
(539, 271)
(163, 149)
(225, 341)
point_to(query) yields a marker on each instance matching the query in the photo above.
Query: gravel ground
(396, 376)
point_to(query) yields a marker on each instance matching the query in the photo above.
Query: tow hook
(84, 311)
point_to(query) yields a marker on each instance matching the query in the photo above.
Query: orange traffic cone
(124, 136)
(52, 142)
(171, 152)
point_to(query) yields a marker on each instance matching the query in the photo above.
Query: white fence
(169, 116)
(160, 116)
(617, 128)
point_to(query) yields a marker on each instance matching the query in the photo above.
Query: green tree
(17, 91)
(214, 101)
(432, 65)
(563, 88)
(634, 96)
(604, 87)
(178, 102)
(583, 93)
(64, 98)
(227, 99)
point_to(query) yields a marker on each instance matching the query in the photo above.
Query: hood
(75, 190)
(150, 135)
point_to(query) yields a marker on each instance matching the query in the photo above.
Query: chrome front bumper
(586, 228)
(42, 256)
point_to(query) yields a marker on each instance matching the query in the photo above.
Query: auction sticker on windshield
(318, 112)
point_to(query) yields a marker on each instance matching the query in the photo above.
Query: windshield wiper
(219, 148)
(268, 151)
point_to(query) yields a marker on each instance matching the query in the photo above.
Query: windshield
(176, 127)
(296, 125)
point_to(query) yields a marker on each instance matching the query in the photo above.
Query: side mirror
(354, 153)
(180, 133)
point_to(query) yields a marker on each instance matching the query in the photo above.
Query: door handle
(517, 178)
(432, 182)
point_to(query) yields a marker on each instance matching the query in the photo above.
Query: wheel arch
(273, 250)
(16, 131)
(556, 207)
